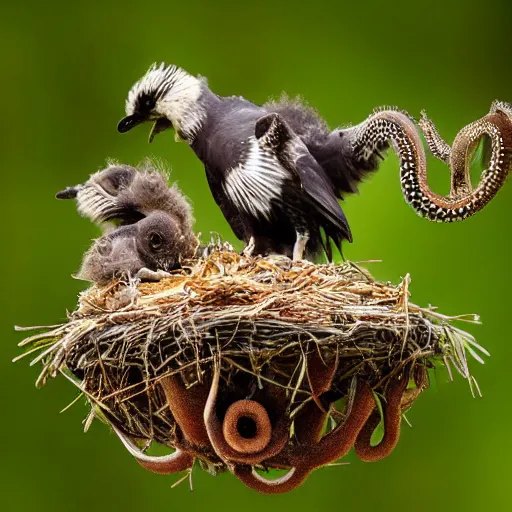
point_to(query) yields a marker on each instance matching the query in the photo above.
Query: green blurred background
(66, 69)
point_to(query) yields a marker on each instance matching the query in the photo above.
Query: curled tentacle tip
(425, 124)
(501, 106)
(246, 427)
(293, 479)
(163, 465)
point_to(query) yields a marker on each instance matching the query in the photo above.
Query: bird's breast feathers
(256, 181)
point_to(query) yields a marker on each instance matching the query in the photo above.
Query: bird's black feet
(300, 246)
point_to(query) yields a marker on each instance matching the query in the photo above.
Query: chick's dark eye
(148, 103)
(155, 240)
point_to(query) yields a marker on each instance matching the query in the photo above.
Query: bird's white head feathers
(168, 92)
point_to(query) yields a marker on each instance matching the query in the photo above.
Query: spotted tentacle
(437, 145)
(496, 126)
(396, 126)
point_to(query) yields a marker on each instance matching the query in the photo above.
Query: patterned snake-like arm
(396, 127)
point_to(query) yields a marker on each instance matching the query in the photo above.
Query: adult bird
(276, 170)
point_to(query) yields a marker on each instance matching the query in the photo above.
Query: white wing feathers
(256, 182)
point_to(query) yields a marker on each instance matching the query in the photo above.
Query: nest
(294, 338)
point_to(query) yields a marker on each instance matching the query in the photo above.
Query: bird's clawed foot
(145, 274)
(249, 248)
(300, 246)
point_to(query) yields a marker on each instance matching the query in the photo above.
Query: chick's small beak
(160, 125)
(128, 122)
(69, 192)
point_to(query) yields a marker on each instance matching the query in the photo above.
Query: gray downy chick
(148, 249)
(123, 195)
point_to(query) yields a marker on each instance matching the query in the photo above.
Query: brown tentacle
(411, 394)
(313, 451)
(257, 420)
(222, 448)
(320, 374)
(187, 405)
(392, 420)
(163, 465)
(338, 442)
(175, 463)
(310, 424)
(293, 479)
(409, 397)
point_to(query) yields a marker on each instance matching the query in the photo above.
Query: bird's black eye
(155, 240)
(145, 104)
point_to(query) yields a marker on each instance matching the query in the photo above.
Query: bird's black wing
(319, 188)
(273, 133)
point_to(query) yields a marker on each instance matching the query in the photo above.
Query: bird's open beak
(159, 125)
(128, 122)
